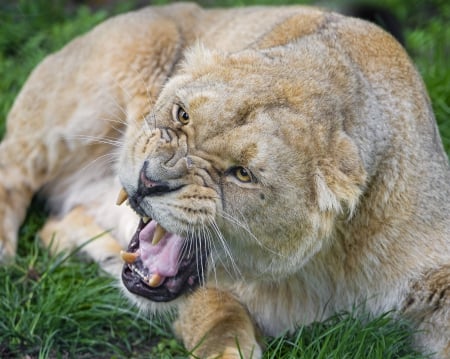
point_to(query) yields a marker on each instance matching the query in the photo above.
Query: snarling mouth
(161, 266)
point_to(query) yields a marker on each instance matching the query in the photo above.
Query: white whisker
(246, 228)
(98, 140)
(202, 265)
(119, 120)
(226, 249)
(211, 249)
(150, 101)
(114, 123)
(108, 158)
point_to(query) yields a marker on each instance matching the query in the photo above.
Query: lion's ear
(340, 178)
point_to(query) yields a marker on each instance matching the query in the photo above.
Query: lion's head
(245, 164)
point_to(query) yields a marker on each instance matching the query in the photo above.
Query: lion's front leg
(213, 324)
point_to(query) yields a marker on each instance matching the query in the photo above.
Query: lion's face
(243, 165)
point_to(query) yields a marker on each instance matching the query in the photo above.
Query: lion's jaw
(234, 180)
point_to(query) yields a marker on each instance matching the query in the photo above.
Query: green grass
(62, 307)
(346, 336)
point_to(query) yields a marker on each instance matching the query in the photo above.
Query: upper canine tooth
(159, 233)
(122, 197)
(129, 257)
(146, 219)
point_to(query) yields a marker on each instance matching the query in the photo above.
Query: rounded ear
(340, 178)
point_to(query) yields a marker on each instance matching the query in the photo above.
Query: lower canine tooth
(159, 233)
(122, 197)
(129, 257)
(146, 219)
(155, 280)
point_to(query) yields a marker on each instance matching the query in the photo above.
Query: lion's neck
(316, 292)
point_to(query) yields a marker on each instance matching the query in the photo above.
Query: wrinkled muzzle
(160, 265)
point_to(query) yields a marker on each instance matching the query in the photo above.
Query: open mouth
(161, 266)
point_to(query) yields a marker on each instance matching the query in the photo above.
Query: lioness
(281, 164)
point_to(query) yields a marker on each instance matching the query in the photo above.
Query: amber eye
(242, 174)
(180, 114)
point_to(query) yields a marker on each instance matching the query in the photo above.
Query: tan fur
(350, 204)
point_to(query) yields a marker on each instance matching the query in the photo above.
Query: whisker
(212, 257)
(186, 248)
(105, 140)
(202, 265)
(113, 125)
(226, 249)
(246, 228)
(125, 91)
(111, 158)
(150, 100)
(119, 120)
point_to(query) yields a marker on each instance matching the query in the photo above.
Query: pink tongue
(163, 257)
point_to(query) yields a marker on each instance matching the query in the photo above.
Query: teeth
(159, 233)
(146, 219)
(122, 197)
(129, 257)
(155, 280)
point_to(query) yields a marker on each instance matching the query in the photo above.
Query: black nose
(149, 187)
